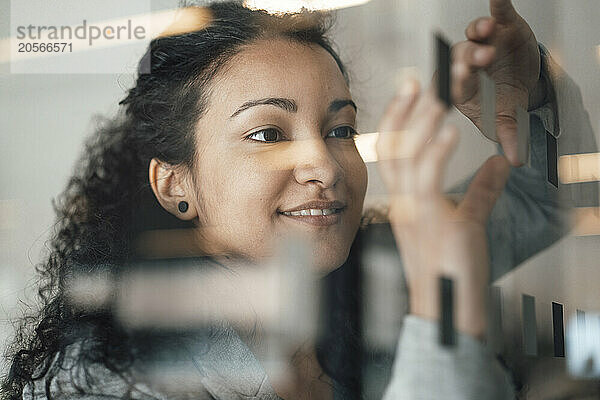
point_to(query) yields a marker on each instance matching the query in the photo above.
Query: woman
(237, 128)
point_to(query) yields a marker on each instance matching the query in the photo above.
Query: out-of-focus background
(45, 119)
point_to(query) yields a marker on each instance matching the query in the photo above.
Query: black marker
(447, 336)
(558, 329)
(443, 68)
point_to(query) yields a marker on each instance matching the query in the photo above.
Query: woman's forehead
(280, 68)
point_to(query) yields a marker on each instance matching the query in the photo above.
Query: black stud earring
(183, 206)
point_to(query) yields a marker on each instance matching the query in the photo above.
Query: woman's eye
(268, 135)
(342, 132)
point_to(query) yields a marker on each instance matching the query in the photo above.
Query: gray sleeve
(423, 369)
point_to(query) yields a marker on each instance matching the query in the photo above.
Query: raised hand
(506, 48)
(435, 235)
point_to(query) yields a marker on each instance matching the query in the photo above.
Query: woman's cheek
(357, 177)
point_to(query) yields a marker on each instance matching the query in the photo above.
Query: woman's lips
(314, 218)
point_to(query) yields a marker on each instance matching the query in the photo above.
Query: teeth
(312, 211)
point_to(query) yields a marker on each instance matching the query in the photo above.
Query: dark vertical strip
(552, 158)
(529, 326)
(447, 335)
(495, 329)
(558, 329)
(443, 67)
(355, 286)
(340, 344)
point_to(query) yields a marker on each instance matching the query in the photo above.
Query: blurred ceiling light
(578, 168)
(365, 143)
(291, 6)
(184, 20)
(587, 221)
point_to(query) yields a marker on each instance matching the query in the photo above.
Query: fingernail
(481, 25)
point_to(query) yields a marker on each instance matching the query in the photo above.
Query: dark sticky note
(443, 68)
(552, 158)
(447, 335)
(558, 329)
(529, 326)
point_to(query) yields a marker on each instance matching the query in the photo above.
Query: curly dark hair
(96, 223)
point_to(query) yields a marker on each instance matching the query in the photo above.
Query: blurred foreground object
(579, 168)
(178, 293)
(583, 345)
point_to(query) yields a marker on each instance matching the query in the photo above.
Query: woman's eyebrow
(338, 104)
(286, 104)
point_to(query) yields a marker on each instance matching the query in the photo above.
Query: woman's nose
(316, 164)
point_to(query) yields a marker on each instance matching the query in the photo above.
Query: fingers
(467, 58)
(425, 122)
(411, 152)
(503, 10)
(434, 161)
(409, 122)
(391, 142)
(398, 110)
(485, 189)
(480, 29)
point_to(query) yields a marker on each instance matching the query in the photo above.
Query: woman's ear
(170, 189)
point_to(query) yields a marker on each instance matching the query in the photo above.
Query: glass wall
(214, 201)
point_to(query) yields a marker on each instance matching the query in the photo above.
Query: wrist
(470, 305)
(424, 300)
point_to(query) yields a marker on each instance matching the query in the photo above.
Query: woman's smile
(317, 213)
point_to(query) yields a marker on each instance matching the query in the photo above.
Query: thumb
(485, 189)
(503, 10)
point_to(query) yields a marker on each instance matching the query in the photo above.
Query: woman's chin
(329, 261)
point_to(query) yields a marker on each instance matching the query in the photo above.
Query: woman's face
(276, 141)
